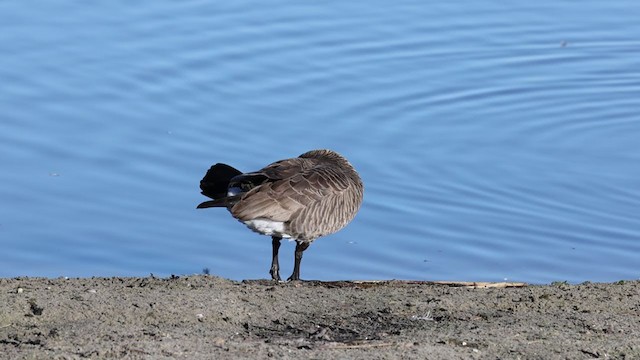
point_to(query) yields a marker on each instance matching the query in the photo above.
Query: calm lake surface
(495, 140)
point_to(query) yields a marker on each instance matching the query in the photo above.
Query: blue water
(496, 140)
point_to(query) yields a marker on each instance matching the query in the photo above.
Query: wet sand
(203, 317)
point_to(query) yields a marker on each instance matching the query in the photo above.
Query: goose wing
(292, 186)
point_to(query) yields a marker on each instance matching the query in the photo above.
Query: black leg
(300, 247)
(275, 266)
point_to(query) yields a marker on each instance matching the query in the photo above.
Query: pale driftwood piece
(465, 284)
(357, 345)
(372, 283)
(481, 285)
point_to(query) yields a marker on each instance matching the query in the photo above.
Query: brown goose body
(303, 198)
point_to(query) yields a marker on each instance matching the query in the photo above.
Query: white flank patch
(267, 227)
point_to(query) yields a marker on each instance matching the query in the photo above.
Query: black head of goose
(303, 198)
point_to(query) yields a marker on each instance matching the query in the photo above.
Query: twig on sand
(372, 283)
(357, 346)
(480, 285)
(465, 284)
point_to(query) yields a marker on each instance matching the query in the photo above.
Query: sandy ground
(203, 317)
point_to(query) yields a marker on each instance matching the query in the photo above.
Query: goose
(300, 199)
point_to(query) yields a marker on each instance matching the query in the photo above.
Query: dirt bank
(198, 317)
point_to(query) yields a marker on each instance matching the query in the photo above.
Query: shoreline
(203, 316)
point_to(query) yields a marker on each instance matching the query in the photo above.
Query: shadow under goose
(302, 199)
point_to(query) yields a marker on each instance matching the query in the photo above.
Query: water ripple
(494, 141)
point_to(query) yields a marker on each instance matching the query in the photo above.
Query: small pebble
(200, 317)
(20, 290)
